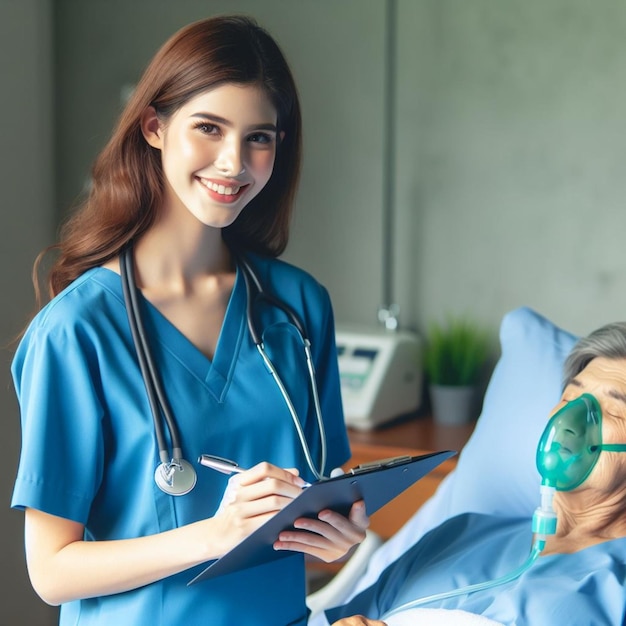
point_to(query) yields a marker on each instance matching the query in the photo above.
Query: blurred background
(460, 156)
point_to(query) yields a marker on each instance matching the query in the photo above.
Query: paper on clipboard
(377, 484)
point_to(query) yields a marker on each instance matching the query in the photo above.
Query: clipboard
(377, 483)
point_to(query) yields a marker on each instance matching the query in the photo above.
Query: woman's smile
(225, 192)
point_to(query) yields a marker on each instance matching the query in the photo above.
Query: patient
(580, 576)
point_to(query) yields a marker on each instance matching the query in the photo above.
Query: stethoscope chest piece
(176, 478)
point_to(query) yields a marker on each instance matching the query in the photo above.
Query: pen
(220, 464)
(226, 466)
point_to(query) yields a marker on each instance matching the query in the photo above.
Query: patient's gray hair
(608, 341)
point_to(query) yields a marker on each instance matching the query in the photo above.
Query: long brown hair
(127, 178)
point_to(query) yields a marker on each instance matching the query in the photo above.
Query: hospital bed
(496, 471)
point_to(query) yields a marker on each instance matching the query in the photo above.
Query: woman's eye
(261, 138)
(206, 128)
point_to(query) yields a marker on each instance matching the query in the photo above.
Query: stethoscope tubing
(294, 416)
(158, 400)
(250, 278)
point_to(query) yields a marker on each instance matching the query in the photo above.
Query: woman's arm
(64, 567)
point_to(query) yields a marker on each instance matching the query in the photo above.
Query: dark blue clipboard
(377, 483)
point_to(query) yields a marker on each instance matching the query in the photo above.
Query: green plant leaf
(456, 352)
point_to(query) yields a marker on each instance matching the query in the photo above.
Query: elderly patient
(579, 577)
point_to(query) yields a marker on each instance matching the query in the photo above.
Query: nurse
(203, 164)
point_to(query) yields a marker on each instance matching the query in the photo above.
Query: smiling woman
(225, 140)
(195, 186)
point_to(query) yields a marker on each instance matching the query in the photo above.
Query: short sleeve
(61, 457)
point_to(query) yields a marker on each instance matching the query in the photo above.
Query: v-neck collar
(217, 373)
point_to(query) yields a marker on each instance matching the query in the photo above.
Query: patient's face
(606, 380)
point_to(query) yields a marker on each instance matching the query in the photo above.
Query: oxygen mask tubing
(568, 451)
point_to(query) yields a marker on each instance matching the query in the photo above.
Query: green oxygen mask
(571, 444)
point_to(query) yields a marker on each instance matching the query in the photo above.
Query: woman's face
(217, 152)
(605, 379)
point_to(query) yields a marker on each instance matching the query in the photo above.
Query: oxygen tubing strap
(516, 573)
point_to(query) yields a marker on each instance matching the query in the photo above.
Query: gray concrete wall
(511, 159)
(26, 226)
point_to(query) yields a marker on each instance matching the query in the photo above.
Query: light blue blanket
(587, 587)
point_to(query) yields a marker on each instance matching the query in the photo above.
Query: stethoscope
(174, 475)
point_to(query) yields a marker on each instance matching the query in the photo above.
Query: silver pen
(220, 464)
(226, 466)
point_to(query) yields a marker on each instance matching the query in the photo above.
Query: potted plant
(455, 357)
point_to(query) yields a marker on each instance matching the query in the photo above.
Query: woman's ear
(281, 136)
(151, 128)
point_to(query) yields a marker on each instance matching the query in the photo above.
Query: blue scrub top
(579, 589)
(89, 450)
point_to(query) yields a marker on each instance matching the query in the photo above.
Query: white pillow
(496, 471)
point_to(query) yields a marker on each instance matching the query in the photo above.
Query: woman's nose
(230, 158)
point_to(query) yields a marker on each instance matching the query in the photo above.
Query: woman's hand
(329, 537)
(358, 620)
(252, 498)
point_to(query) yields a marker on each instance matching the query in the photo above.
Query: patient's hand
(358, 620)
(328, 538)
